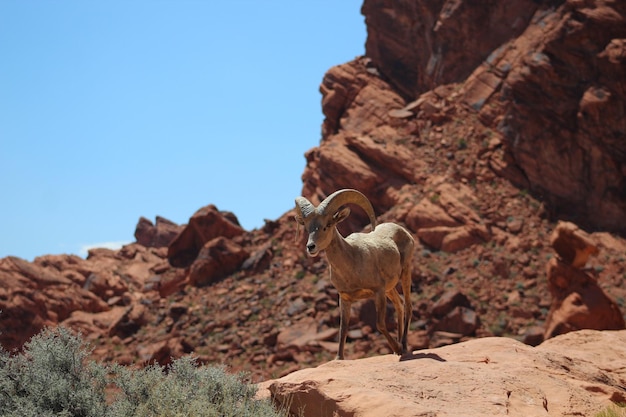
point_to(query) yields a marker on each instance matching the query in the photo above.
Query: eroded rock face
(545, 76)
(557, 95)
(359, 149)
(515, 379)
(419, 45)
(578, 302)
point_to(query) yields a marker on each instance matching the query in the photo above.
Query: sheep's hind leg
(397, 303)
(380, 301)
(405, 279)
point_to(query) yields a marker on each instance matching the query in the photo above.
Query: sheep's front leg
(381, 311)
(345, 306)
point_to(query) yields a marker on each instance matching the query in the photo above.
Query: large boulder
(578, 302)
(218, 258)
(157, 235)
(444, 220)
(206, 224)
(579, 373)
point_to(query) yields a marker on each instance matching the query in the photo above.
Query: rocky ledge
(579, 373)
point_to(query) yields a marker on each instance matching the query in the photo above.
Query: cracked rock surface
(482, 377)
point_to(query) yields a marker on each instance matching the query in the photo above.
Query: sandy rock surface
(579, 373)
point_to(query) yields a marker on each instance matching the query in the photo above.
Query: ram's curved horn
(304, 207)
(333, 202)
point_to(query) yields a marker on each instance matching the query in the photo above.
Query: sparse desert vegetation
(54, 377)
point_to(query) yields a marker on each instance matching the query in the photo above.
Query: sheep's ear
(341, 215)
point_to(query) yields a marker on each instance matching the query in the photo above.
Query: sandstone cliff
(538, 85)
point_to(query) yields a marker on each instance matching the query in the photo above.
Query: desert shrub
(53, 377)
(184, 389)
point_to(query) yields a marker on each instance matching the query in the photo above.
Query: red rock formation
(206, 224)
(358, 144)
(578, 302)
(54, 288)
(157, 235)
(557, 95)
(419, 45)
(218, 258)
(546, 77)
(33, 296)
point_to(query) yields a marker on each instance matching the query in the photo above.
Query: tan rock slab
(579, 373)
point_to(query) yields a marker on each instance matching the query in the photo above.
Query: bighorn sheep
(362, 265)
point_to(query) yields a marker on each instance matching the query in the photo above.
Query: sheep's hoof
(397, 350)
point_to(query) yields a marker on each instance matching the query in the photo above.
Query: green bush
(53, 377)
(185, 390)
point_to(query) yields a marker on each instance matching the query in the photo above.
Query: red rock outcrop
(54, 288)
(578, 302)
(542, 76)
(444, 222)
(157, 235)
(206, 224)
(419, 45)
(359, 149)
(556, 95)
(33, 296)
(218, 258)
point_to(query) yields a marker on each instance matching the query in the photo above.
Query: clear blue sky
(113, 110)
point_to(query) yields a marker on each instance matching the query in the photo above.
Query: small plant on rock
(615, 410)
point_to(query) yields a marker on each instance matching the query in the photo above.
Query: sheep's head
(319, 222)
